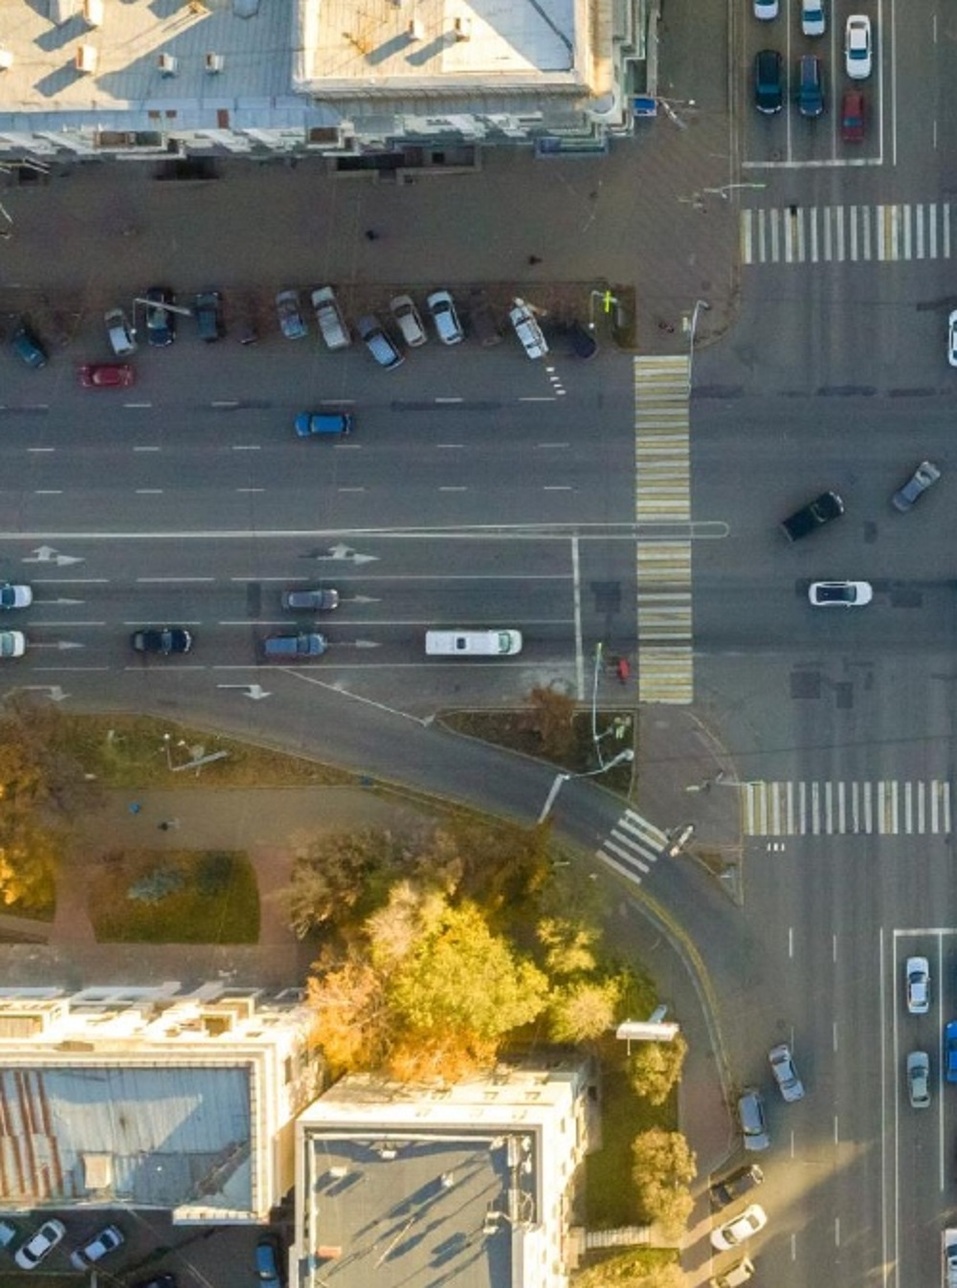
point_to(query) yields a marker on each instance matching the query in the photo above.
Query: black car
(208, 312)
(162, 639)
(768, 81)
(581, 341)
(810, 86)
(823, 509)
(160, 322)
(737, 1183)
(27, 347)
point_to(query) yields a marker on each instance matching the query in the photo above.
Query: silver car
(290, 316)
(754, 1126)
(918, 1080)
(785, 1074)
(925, 476)
(408, 321)
(310, 600)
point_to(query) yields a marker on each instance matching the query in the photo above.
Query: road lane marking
(41, 449)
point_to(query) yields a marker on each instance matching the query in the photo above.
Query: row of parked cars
(49, 1235)
(770, 80)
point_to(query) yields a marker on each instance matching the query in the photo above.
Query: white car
(785, 1074)
(858, 50)
(734, 1232)
(812, 17)
(523, 319)
(407, 320)
(765, 9)
(108, 1240)
(840, 594)
(917, 985)
(12, 596)
(952, 339)
(29, 1255)
(12, 643)
(447, 325)
(120, 333)
(918, 1080)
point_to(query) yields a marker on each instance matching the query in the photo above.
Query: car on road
(810, 86)
(303, 644)
(728, 1189)
(27, 347)
(309, 423)
(823, 509)
(120, 333)
(160, 322)
(950, 1051)
(268, 1262)
(765, 10)
(740, 1228)
(40, 1244)
(858, 47)
(526, 327)
(812, 17)
(379, 343)
(15, 596)
(852, 116)
(754, 1125)
(407, 319)
(162, 639)
(12, 644)
(106, 375)
(108, 1240)
(918, 1080)
(291, 323)
(445, 319)
(840, 594)
(917, 985)
(740, 1273)
(785, 1074)
(310, 600)
(925, 476)
(332, 325)
(208, 312)
(768, 81)
(952, 338)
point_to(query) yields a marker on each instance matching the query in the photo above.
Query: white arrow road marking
(60, 644)
(54, 691)
(254, 691)
(47, 554)
(344, 552)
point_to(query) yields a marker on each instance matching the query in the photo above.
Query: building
(151, 1098)
(473, 1183)
(369, 83)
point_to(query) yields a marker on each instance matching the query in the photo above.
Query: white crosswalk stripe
(663, 496)
(634, 845)
(884, 808)
(839, 234)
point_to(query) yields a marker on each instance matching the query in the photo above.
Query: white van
(523, 319)
(459, 643)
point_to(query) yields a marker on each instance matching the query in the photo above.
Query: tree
(655, 1067)
(552, 717)
(636, 1268)
(568, 946)
(583, 1011)
(337, 875)
(352, 1024)
(664, 1165)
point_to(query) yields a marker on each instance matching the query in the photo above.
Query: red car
(106, 375)
(852, 116)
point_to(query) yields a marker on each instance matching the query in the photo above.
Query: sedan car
(918, 1080)
(291, 323)
(734, 1232)
(950, 1051)
(785, 1074)
(852, 116)
(106, 375)
(925, 476)
(379, 343)
(447, 325)
(729, 1188)
(310, 600)
(840, 594)
(29, 1255)
(309, 423)
(765, 9)
(27, 347)
(160, 322)
(952, 339)
(407, 319)
(754, 1126)
(108, 1240)
(162, 639)
(740, 1273)
(917, 985)
(12, 643)
(768, 81)
(858, 48)
(812, 17)
(13, 596)
(268, 1261)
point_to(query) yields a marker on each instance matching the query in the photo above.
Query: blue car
(27, 347)
(323, 422)
(950, 1051)
(267, 1263)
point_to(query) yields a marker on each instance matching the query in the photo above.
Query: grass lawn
(211, 898)
(129, 751)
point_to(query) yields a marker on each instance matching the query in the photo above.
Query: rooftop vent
(166, 64)
(213, 63)
(93, 13)
(86, 58)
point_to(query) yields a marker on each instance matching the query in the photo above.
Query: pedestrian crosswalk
(884, 808)
(663, 498)
(634, 845)
(838, 234)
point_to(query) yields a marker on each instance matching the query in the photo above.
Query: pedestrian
(135, 807)
(534, 259)
(167, 824)
(371, 235)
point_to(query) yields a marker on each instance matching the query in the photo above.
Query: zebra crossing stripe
(814, 808)
(633, 846)
(846, 234)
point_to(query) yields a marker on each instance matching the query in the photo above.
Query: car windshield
(835, 594)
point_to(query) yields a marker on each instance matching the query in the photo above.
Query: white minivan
(460, 643)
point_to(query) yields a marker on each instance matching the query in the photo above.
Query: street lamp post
(561, 779)
(698, 306)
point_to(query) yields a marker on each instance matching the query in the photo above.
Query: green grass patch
(130, 751)
(175, 897)
(610, 1198)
